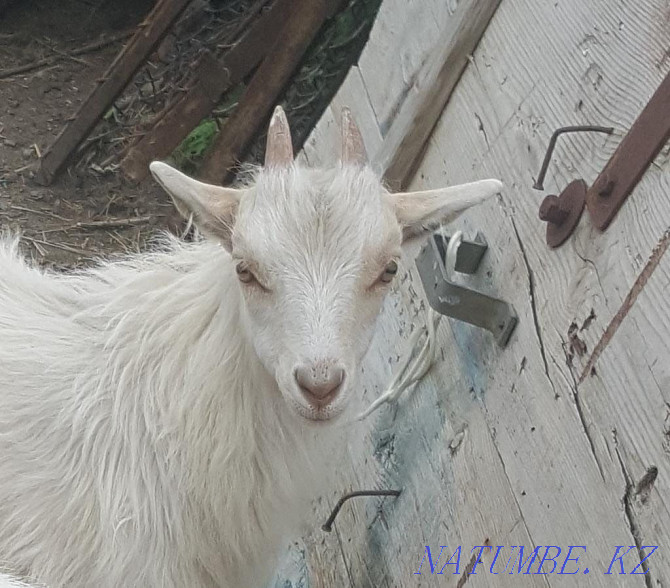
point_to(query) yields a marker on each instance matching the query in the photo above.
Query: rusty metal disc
(572, 200)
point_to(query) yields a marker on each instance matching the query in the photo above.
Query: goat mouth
(319, 416)
(322, 417)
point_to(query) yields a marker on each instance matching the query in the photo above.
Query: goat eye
(243, 273)
(389, 272)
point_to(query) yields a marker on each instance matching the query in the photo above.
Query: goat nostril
(319, 385)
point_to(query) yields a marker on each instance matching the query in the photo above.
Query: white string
(410, 372)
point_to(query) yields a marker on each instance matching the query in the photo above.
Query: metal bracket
(457, 301)
(638, 149)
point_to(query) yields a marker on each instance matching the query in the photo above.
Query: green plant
(189, 152)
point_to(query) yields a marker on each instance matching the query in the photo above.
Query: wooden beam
(123, 68)
(211, 80)
(213, 77)
(406, 139)
(304, 19)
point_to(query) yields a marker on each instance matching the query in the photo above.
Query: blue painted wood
(292, 571)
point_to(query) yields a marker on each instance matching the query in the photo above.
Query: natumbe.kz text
(543, 559)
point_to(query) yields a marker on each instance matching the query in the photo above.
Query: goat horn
(353, 148)
(279, 150)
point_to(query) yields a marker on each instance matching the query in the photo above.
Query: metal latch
(456, 301)
(636, 152)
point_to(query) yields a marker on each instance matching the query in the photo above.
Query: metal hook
(539, 183)
(328, 525)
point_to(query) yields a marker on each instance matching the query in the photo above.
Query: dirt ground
(33, 108)
(91, 210)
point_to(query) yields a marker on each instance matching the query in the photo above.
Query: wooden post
(302, 24)
(123, 68)
(405, 141)
(212, 78)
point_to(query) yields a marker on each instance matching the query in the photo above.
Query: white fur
(7, 581)
(151, 433)
(139, 438)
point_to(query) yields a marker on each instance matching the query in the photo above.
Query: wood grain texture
(396, 50)
(541, 458)
(594, 272)
(323, 145)
(430, 89)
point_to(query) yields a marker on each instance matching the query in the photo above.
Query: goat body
(166, 419)
(141, 442)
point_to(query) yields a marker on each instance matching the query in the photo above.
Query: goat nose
(320, 382)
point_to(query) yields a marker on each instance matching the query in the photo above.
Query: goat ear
(419, 212)
(213, 207)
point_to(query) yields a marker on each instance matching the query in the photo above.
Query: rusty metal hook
(328, 525)
(539, 183)
(562, 212)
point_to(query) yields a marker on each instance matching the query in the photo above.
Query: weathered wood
(327, 132)
(396, 51)
(492, 127)
(303, 22)
(430, 89)
(575, 446)
(629, 396)
(120, 72)
(212, 78)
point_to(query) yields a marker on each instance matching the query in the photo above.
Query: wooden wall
(553, 440)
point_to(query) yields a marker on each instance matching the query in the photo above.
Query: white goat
(164, 418)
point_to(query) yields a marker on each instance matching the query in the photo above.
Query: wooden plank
(314, 152)
(565, 473)
(210, 81)
(292, 568)
(304, 21)
(322, 147)
(539, 431)
(493, 126)
(400, 42)
(629, 395)
(212, 78)
(110, 86)
(434, 82)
